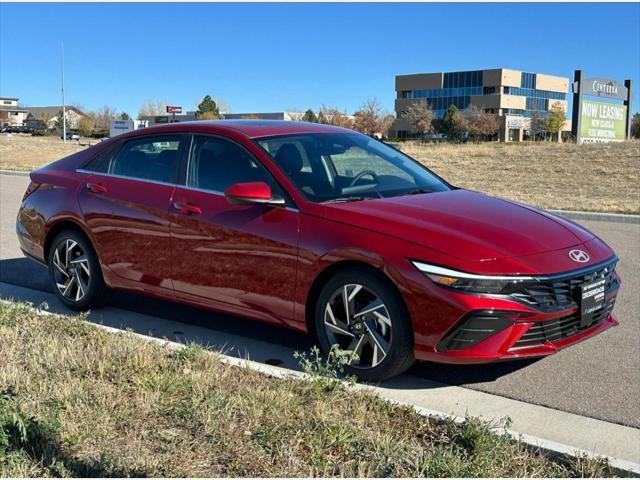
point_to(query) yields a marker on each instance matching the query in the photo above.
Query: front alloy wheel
(361, 312)
(358, 322)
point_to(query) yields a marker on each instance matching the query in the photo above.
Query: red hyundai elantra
(320, 229)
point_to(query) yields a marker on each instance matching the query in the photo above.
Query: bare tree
(223, 106)
(420, 117)
(333, 116)
(46, 120)
(536, 121)
(481, 124)
(104, 115)
(85, 126)
(369, 118)
(294, 115)
(386, 124)
(152, 108)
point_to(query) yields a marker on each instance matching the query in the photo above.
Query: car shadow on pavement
(468, 374)
(262, 342)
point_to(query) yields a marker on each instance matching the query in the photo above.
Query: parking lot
(598, 378)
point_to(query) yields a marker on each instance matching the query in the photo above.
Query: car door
(125, 202)
(242, 255)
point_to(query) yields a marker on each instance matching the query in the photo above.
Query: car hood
(468, 225)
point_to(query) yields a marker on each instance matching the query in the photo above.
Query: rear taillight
(30, 189)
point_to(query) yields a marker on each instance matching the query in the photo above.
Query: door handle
(187, 208)
(96, 188)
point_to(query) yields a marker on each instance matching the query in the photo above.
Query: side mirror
(252, 192)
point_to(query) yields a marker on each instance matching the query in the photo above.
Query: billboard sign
(174, 109)
(117, 127)
(601, 109)
(602, 121)
(603, 87)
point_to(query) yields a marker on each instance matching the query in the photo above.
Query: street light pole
(64, 113)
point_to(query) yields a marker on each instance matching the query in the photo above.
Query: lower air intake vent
(474, 327)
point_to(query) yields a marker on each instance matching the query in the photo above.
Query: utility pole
(64, 113)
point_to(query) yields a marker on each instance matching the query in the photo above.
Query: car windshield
(347, 167)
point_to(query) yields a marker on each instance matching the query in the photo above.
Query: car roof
(252, 128)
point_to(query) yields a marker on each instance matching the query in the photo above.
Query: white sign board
(117, 127)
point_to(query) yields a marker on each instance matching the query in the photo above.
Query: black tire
(96, 292)
(399, 356)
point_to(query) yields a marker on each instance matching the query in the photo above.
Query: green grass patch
(79, 401)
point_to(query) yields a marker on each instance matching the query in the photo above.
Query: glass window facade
(527, 80)
(458, 87)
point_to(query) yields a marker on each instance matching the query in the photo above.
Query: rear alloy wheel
(75, 273)
(72, 272)
(364, 316)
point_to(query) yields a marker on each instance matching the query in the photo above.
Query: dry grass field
(599, 178)
(76, 401)
(24, 152)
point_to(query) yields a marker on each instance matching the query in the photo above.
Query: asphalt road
(599, 378)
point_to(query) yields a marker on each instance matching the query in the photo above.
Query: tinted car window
(148, 158)
(216, 164)
(100, 162)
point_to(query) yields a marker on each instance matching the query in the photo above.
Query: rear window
(100, 162)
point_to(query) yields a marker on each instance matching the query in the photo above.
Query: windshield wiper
(345, 199)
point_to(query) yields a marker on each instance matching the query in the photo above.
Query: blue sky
(271, 57)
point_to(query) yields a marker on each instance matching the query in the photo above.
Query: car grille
(563, 292)
(559, 328)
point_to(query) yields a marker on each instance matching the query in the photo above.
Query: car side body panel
(241, 255)
(130, 224)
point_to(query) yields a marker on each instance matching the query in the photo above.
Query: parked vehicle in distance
(320, 229)
(71, 135)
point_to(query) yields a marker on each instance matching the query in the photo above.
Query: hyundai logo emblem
(579, 256)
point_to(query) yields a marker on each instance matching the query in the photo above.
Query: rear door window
(148, 158)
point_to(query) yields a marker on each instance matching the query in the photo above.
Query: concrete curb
(19, 173)
(600, 217)
(551, 448)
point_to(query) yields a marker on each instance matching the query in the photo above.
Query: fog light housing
(472, 328)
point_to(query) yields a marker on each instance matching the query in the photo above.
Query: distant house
(10, 113)
(42, 118)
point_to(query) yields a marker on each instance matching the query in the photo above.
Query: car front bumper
(515, 330)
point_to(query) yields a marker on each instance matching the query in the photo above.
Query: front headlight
(471, 282)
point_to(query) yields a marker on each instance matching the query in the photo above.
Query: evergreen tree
(310, 116)
(208, 106)
(454, 123)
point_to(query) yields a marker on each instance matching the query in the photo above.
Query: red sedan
(319, 229)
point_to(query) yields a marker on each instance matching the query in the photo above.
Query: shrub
(99, 133)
